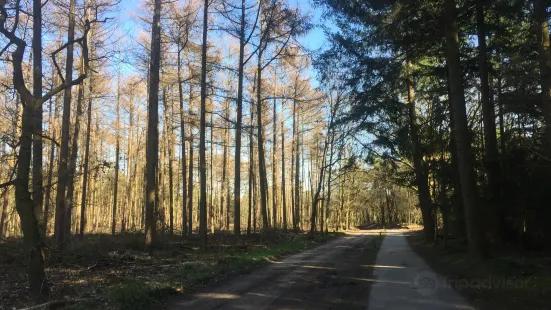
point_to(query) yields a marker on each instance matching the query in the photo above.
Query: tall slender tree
(61, 220)
(117, 157)
(153, 128)
(38, 113)
(491, 155)
(462, 135)
(202, 135)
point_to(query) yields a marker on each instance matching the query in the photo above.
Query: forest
(158, 124)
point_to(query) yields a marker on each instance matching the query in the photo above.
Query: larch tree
(61, 212)
(152, 127)
(25, 205)
(202, 135)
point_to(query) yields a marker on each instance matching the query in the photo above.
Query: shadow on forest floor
(510, 279)
(114, 272)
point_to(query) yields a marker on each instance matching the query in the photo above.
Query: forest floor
(113, 272)
(508, 280)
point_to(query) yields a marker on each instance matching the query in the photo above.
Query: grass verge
(506, 281)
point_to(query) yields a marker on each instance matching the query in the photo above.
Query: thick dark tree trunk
(25, 208)
(472, 203)
(38, 115)
(261, 154)
(316, 198)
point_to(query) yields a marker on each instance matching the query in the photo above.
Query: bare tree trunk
(73, 161)
(296, 222)
(86, 161)
(5, 201)
(283, 189)
(169, 145)
(117, 159)
(330, 175)
(224, 167)
(340, 222)
(183, 148)
(61, 221)
(131, 173)
(293, 213)
(190, 180)
(238, 125)
(152, 128)
(316, 197)
(52, 125)
(261, 158)
(321, 177)
(467, 176)
(254, 168)
(211, 212)
(161, 193)
(274, 150)
(252, 178)
(25, 208)
(303, 205)
(329, 181)
(260, 133)
(202, 136)
(38, 113)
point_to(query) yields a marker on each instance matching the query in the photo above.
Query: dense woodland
(459, 92)
(211, 116)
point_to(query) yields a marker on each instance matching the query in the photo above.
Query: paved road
(337, 276)
(332, 276)
(404, 281)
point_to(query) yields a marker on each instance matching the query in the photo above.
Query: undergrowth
(114, 272)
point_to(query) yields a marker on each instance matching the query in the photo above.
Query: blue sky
(314, 40)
